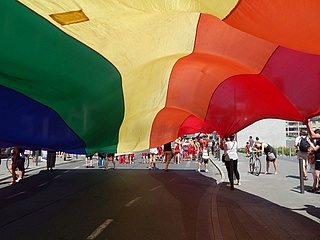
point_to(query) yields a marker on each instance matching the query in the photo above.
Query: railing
(281, 151)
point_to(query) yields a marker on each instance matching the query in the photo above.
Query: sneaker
(18, 179)
(228, 185)
(198, 170)
(207, 170)
(239, 183)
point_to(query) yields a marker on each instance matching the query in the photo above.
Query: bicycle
(254, 163)
(9, 162)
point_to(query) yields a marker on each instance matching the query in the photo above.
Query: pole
(301, 175)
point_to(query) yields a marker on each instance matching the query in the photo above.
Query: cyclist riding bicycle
(18, 159)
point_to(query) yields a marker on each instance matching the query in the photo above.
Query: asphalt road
(133, 202)
(130, 202)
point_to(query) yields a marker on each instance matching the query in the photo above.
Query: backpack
(303, 145)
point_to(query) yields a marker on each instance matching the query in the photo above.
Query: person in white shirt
(302, 151)
(230, 150)
(153, 158)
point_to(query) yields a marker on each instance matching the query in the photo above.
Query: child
(315, 173)
(248, 149)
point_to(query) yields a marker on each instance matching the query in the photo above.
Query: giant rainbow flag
(126, 75)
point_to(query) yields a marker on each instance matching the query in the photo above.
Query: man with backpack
(302, 145)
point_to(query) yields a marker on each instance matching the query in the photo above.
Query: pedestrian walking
(89, 160)
(51, 160)
(315, 135)
(251, 141)
(102, 159)
(153, 158)
(144, 156)
(131, 158)
(301, 144)
(248, 149)
(18, 159)
(177, 151)
(192, 150)
(315, 173)
(167, 154)
(110, 157)
(204, 159)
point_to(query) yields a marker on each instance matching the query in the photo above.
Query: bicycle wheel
(251, 165)
(257, 167)
(8, 162)
(26, 163)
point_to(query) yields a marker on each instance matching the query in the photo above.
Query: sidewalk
(42, 164)
(266, 206)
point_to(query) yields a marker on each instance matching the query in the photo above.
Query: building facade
(272, 131)
(277, 133)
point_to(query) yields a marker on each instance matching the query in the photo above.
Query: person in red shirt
(248, 149)
(192, 150)
(177, 151)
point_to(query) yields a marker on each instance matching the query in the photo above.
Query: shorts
(153, 157)
(317, 165)
(203, 160)
(89, 156)
(303, 156)
(18, 164)
(275, 154)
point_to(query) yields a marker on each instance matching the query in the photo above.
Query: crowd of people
(197, 149)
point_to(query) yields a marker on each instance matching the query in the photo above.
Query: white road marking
(99, 229)
(66, 171)
(42, 184)
(155, 188)
(57, 176)
(133, 201)
(76, 167)
(17, 194)
(172, 179)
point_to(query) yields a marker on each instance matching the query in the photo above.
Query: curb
(220, 171)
